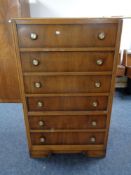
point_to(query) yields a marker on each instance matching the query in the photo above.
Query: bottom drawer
(67, 138)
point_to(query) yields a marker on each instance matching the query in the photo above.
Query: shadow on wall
(38, 9)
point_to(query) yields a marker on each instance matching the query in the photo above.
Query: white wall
(86, 8)
(126, 35)
(79, 8)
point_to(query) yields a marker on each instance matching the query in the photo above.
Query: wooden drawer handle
(33, 36)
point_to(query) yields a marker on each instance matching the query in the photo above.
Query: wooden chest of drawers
(67, 73)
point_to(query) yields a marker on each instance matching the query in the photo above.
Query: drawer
(63, 103)
(67, 61)
(67, 84)
(67, 35)
(67, 122)
(67, 138)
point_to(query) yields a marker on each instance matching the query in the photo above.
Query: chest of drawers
(67, 73)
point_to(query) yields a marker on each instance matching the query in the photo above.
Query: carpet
(14, 158)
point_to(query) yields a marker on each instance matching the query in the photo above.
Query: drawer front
(67, 61)
(67, 138)
(67, 84)
(65, 35)
(64, 103)
(67, 122)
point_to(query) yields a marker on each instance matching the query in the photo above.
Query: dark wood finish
(100, 153)
(66, 94)
(112, 90)
(80, 21)
(25, 8)
(66, 148)
(41, 113)
(127, 63)
(85, 35)
(9, 85)
(67, 74)
(120, 71)
(67, 122)
(68, 49)
(128, 72)
(92, 150)
(64, 138)
(66, 61)
(66, 130)
(39, 154)
(129, 59)
(67, 103)
(65, 84)
(120, 67)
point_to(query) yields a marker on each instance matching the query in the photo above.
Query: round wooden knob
(95, 104)
(99, 62)
(101, 36)
(42, 140)
(93, 123)
(35, 62)
(93, 139)
(41, 123)
(38, 85)
(39, 104)
(33, 36)
(97, 84)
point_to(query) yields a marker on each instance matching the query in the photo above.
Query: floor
(14, 158)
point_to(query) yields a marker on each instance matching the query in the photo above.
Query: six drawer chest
(67, 74)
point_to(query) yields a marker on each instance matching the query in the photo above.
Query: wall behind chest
(85, 8)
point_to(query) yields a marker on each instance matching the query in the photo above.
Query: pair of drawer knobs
(36, 62)
(42, 123)
(43, 140)
(34, 36)
(41, 104)
(39, 85)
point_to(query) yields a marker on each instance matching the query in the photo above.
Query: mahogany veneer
(67, 73)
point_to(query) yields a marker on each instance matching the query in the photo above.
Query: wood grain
(67, 73)
(67, 103)
(68, 49)
(66, 61)
(76, 138)
(67, 122)
(67, 20)
(70, 35)
(9, 85)
(66, 84)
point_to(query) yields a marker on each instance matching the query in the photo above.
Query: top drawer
(67, 35)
